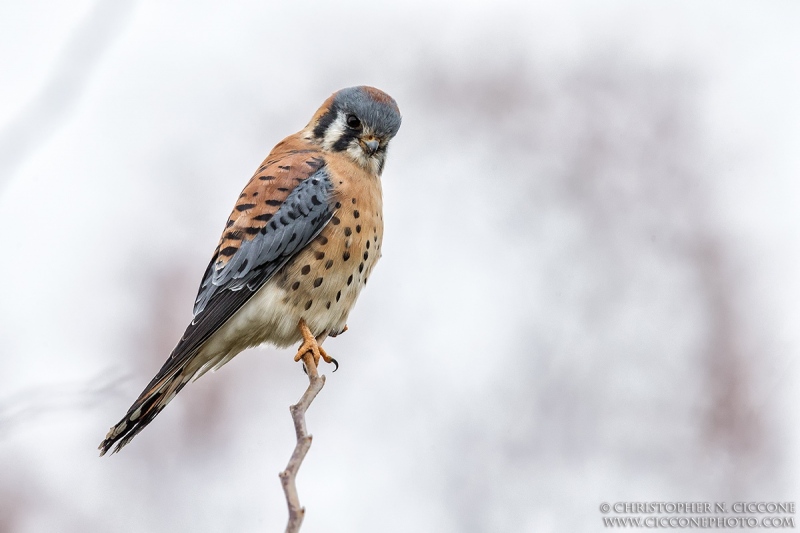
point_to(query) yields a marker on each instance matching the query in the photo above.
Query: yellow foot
(310, 345)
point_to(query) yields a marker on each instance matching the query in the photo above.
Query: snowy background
(588, 291)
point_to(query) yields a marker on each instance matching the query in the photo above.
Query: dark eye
(353, 122)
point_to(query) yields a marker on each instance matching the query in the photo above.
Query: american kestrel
(296, 251)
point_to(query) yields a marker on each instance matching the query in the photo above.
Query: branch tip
(298, 412)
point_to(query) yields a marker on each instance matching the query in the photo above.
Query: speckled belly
(320, 285)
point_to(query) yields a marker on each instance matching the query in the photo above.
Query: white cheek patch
(334, 132)
(356, 153)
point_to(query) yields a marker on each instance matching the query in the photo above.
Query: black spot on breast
(266, 178)
(358, 228)
(335, 221)
(367, 245)
(346, 255)
(245, 207)
(347, 232)
(319, 255)
(366, 256)
(317, 282)
(308, 304)
(323, 240)
(285, 167)
(283, 189)
(338, 295)
(252, 231)
(338, 205)
(350, 279)
(295, 285)
(361, 267)
(255, 194)
(354, 200)
(273, 203)
(328, 305)
(263, 218)
(305, 270)
(328, 264)
(356, 214)
(228, 251)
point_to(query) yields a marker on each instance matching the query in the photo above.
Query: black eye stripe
(325, 121)
(343, 142)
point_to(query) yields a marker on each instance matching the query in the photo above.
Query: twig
(298, 410)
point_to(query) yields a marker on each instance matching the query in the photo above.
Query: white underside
(268, 318)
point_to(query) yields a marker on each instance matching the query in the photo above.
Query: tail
(153, 399)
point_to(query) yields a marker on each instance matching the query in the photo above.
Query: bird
(296, 251)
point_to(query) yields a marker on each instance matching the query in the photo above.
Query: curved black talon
(335, 362)
(305, 370)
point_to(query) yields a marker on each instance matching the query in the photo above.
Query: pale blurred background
(588, 291)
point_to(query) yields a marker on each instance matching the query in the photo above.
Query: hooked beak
(370, 146)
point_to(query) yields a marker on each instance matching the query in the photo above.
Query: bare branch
(298, 410)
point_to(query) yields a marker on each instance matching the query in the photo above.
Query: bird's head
(359, 121)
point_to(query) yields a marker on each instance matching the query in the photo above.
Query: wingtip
(103, 448)
(105, 445)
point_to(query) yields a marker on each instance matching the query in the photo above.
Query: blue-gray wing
(237, 272)
(280, 211)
